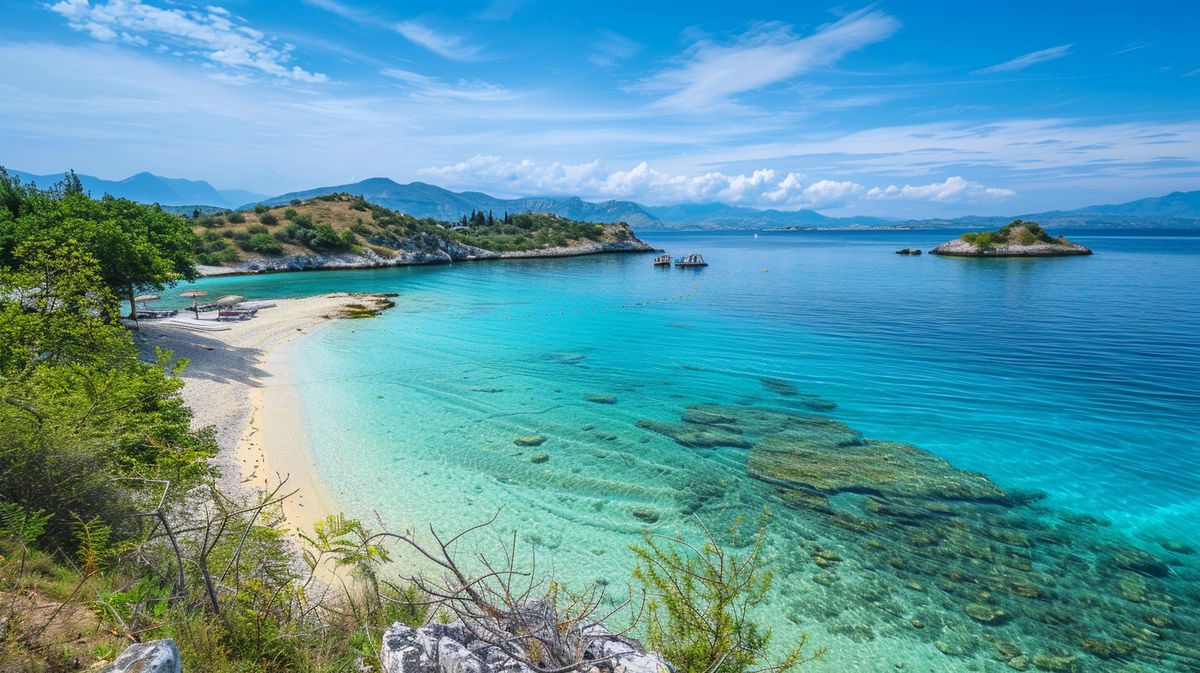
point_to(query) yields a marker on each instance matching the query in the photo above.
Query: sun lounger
(230, 314)
(147, 314)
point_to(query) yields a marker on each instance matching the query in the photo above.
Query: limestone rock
(156, 656)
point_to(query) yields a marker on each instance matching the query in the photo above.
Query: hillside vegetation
(343, 223)
(1017, 232)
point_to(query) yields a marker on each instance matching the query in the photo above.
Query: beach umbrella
(193, 294)
(147, 297)
(230, 300)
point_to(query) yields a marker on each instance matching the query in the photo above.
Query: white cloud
(454, 47)
(760, 188)
(768, 53)
(953, 189)
(211, 33)
(433, 89)
(1027, 60)
(612, 48)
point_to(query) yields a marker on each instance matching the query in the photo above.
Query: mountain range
(150, 188)
(1178, 209)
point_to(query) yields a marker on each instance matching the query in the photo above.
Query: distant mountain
(1175, 210)
(424, 200)
(722, 216)
(150, 188)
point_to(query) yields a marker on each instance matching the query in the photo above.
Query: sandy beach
(238, 382)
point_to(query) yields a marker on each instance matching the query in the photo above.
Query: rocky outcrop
(1015, 239)
(450, 648)
(961, 248)
(427, 249)
(156, 656)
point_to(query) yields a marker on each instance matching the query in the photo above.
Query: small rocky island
(1015, 239)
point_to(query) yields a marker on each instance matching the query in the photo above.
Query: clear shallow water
(1077, 377)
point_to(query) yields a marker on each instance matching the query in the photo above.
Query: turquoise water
(1077, 378)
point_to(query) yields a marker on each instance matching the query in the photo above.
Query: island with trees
(347, 231)
(1015, 239)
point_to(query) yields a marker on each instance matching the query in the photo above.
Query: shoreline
(370, 260)
(238, 382)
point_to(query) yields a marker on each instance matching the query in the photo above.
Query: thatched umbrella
(230, 300)
(142, 299)
(193, 294)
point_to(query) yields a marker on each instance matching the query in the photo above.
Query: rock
(454, 657)
(779, 386)
(403, 650)
(539, 457)
(1175, 546)
(829, 461)
(1055, 662)
(1132, 558)
(156, 656)
(698, 436)
(1018, 663)
(530, 440)
(644, 514)
(908, 251)
(598, 398)
(985, 614)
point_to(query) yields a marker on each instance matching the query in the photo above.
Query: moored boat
(662, 260)
(694, 259)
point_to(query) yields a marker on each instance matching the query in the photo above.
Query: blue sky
(892, 108)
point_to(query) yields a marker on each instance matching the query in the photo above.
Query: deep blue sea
(1074, 379)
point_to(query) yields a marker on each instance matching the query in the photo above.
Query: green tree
(138, 247)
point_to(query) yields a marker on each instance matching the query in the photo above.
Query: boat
(694, 259)
(662, 260)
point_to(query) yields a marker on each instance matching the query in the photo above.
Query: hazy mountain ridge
(1175, 210)
(420, 199)
(147, 187)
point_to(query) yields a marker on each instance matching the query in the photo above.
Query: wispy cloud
(446, 45)
(1136, 45)
(766, 54)
(433, 89)
(1027, 60)
(500, 10)
(954, 189)
(611, 48)
(211, 33)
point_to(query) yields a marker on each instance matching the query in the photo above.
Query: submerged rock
(827, 463)
(530, 440)
(779, 386)
(599, 398)
(698, 436)
(539, 457)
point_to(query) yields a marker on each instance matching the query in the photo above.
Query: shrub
(263, 243)
(260, 208)
(290, 214)
(699, 603)
(256, 229)
(235, 217)
(268, 218)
